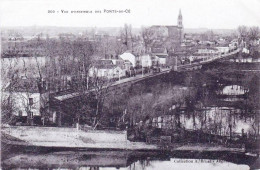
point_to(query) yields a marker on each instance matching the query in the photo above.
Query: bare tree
(82, 52)
(100, 91)
(254, 33)
(127, 37)
(131, 37)
(9, 76)
(207, 36)
(147, 36)
(243, 32)
(119, 47)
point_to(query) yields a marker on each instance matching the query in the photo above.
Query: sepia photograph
(130, 84)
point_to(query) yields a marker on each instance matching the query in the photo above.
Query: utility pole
(142, 68)
(118, 74)
(142, 71)
(176, 64)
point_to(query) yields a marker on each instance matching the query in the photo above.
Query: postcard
(130, 84)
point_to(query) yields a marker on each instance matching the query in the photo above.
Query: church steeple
(180, 19)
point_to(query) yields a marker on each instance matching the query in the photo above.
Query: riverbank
(70, 138)
(58, 137)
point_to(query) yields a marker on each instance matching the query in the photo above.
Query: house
(107, 69)
(128, 65)
(234, 42)
(257, 42)
(120, 63)
(146, 60)
(245, 50)
(207, 51)
(208, 43)
(162, 60)
(160, 54)
(222, 42)
(232, 46)
(223, 50)
(244, 60)
(29, 99)
(130, 57)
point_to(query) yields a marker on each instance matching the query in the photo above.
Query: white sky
(196, 13)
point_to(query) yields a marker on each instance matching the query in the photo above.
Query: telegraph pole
(176, 65)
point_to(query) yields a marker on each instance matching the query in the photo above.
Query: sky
(212, 14)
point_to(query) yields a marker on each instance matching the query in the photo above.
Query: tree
(106, 47)
(127, 36)
(100, 90)
(9, 76)
(207, 36)
(147, 36)
(82, 52)
(119, 47)
(254, 33)
(243, 32)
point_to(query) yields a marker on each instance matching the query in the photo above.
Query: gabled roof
(103, 62)
(161, 55)
(159, 50)
(207, 48)
(105, 66)
(127, 53)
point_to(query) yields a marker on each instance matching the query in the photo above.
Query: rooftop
(103, 62)
(160, 50)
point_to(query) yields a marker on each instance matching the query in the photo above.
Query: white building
(223, 50)
(146, 60)
(26, 98)
(160, 54)
(130, 57)
(128, 65)
(244, 60)
(107, 71)
(162, 59)
(245, 50)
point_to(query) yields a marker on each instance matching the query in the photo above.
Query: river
(127, 160)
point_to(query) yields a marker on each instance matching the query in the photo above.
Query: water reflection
(234, 90)
(121, 160)
(189, 164)
(213, 120)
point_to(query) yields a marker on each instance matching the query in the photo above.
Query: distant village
(36, 67)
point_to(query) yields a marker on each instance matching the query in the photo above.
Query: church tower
(180, 20)
(180, 27)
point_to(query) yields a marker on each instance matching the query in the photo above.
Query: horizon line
(123, 26)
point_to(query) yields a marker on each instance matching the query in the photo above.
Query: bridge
(206, 60)
(114, 85)
(138, 78)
